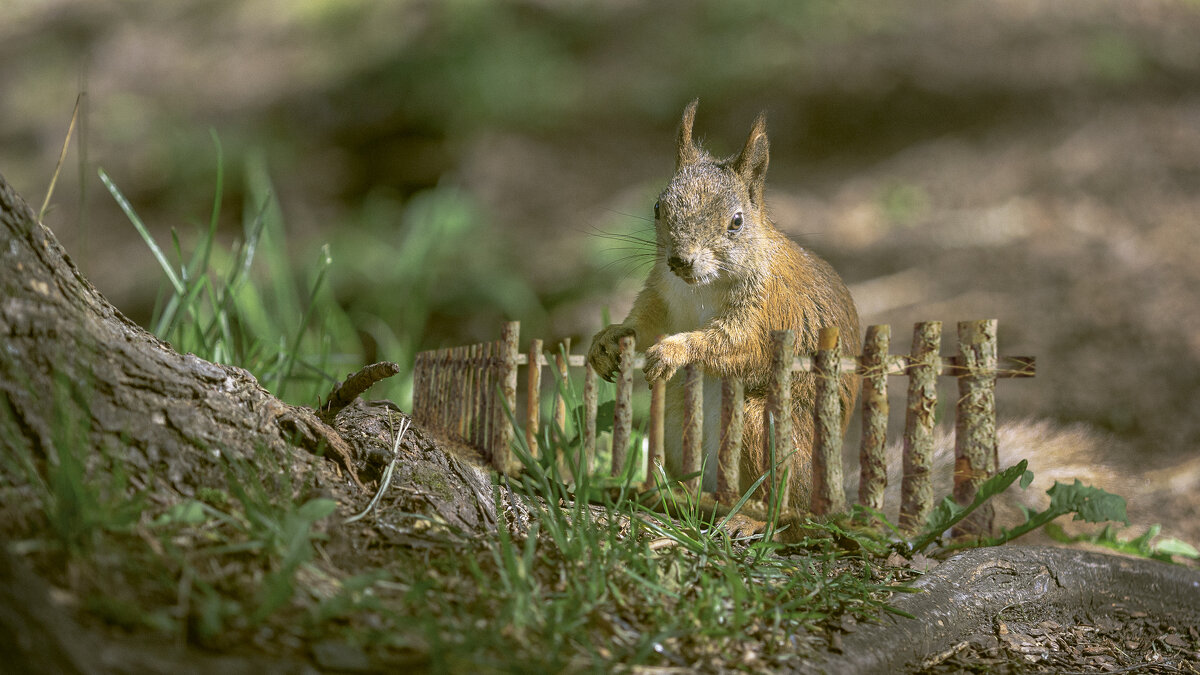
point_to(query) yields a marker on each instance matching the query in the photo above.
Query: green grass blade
(145, 234)
(62, 156)
(201, 261)
(293, 349)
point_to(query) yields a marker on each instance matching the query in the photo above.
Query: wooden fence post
(478, 395)
(587, 452)
(456, 389)
(418, 389)
(431, 375)
(449, 393)
(916, 493)
(871, 455)
(656, 430)
(462, 389)
(506, 380)
(623, 407)
(431, 389)
(533, 398)
(828, 494)
(693, 424)
(778, 411)
(729, 454)
(561, 359)
(466, 402)
(441, 393)
(975, 421)
(453, 370)
(488, 398)
(470, 404)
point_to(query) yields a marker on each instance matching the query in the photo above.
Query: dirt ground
(1126, 641)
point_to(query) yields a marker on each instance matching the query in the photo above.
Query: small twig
(1132, 669)
(937, 659)
(662, 542)
(344, 393)
(61, 157)
(387, 473)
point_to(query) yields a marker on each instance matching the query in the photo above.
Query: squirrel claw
(665, 357)
(605, 351)
(658, 371)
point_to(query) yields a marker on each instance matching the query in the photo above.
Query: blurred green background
(1032, 161)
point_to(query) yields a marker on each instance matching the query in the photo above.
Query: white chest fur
(691, 306)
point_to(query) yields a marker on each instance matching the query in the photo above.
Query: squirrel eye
(656, 208)
(736, 223)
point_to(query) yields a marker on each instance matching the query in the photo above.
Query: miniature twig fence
(462, 393)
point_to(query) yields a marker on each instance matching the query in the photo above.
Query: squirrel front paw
(605, 352)
(665, 357)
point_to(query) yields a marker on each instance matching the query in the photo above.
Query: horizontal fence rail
(462, 393)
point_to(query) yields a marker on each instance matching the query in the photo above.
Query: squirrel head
(710, 220)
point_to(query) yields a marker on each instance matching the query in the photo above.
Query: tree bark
(74, 370)
(71, 358)
(963, 597)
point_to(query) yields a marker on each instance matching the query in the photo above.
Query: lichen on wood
(916, 488)
(872, 451)
(828, 495)
(975, 420)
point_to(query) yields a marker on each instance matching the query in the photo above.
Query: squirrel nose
(679, 265)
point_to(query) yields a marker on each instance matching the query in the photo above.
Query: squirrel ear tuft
(685, 149)
(751, 162)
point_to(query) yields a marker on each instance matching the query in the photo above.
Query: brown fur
(717, 291)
